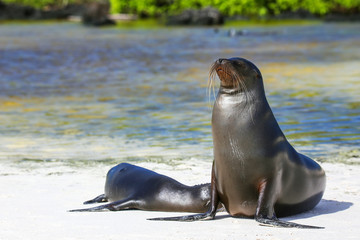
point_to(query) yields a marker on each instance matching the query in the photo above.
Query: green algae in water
(140, 24)
(304, 93)
(351, 157)
(354, 105)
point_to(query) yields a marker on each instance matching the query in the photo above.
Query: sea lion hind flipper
(188, 218)
(99, 199)
(278, 223)
(128, 203)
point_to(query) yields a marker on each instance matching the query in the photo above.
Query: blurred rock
(97, 14)
(15, 11)
(205, 16)
(63, 13)
(342, 17)
(244, 32)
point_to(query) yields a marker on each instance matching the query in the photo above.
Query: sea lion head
(238, 74)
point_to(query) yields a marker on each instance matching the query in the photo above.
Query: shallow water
(74, 94)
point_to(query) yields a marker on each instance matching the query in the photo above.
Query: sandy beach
(34, 205)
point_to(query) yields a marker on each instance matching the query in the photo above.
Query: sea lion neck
(231, 91)
(238, 95)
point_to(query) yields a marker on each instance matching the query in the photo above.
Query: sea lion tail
(93, 209)
(123, 204)
(99, 199)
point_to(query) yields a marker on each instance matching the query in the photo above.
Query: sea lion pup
(256, 172)
(131, 187)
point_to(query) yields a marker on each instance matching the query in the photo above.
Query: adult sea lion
(256, 172)
(132, 187)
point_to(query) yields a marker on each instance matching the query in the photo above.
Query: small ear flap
(257, 74)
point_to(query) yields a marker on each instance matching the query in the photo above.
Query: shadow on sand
(324, 207)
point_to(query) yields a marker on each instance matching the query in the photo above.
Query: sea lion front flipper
(278, 223)
(128, 203)
(265, 213)
(99, 199)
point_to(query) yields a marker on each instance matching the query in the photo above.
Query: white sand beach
(34, 205)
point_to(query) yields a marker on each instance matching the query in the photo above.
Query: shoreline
(37, 202)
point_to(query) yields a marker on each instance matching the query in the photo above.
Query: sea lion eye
(240, 64)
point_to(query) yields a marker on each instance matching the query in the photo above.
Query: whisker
(230, 76)
(211, 81)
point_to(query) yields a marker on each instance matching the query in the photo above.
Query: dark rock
(233, 32)
(96, 14)
(339, 17)
(205, 16)
(244, 32)
(19, 12)
(13, 11)
(298, 14)
(63, 13)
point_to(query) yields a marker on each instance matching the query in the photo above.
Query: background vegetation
(250, 8)
(235, 7)
(41, 4)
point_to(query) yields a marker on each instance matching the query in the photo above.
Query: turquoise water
(74, 94)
